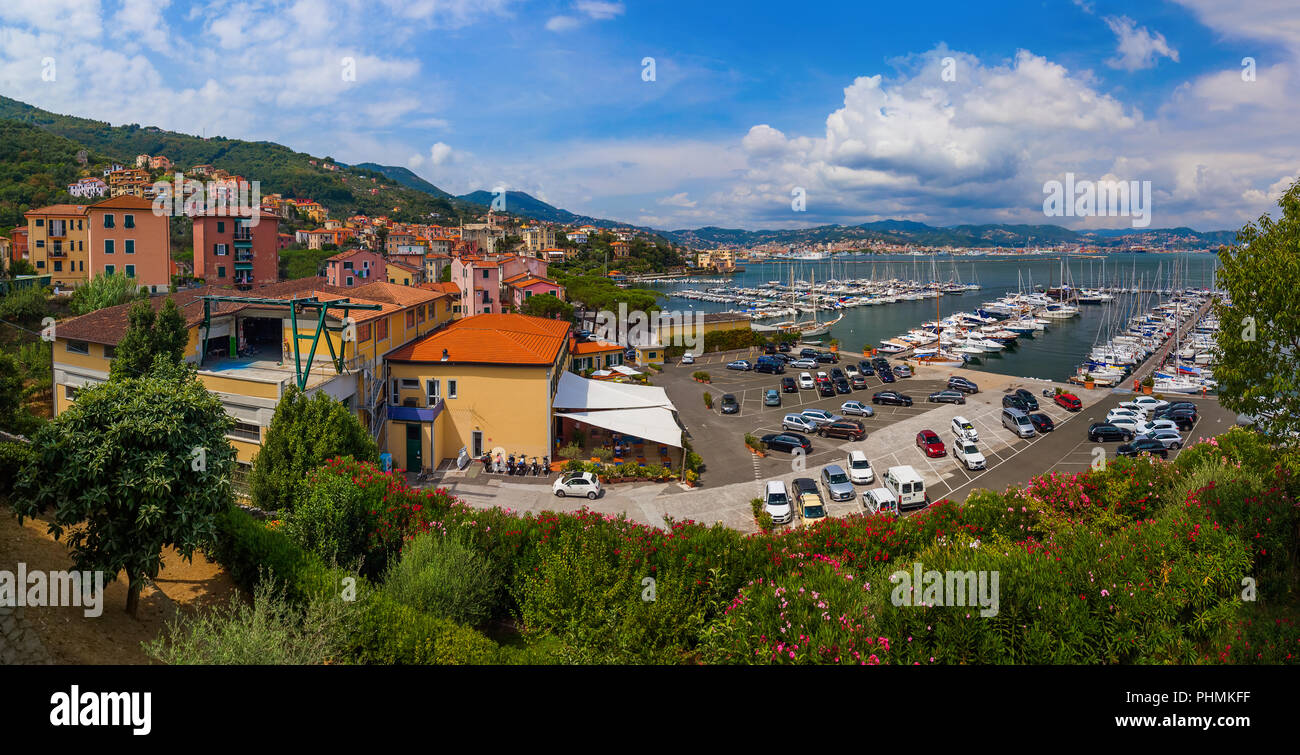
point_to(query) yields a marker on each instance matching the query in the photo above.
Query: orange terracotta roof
(594, 347)
(491, 339)
(441, 288)
(126, 202)
(59, 209)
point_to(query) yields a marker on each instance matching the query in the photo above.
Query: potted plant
(754, 445)
(1088, 382)
(1148, 383)
(761, 517)
(708, 400)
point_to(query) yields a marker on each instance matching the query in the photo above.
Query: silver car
(838, 485)
(851, 408)
(821, 416)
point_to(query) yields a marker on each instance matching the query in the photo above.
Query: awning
(653, 423)
(580, 394)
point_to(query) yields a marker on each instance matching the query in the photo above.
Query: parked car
(842, 386)
(786, 442)
(902, 370)
(1184, 419)
(769, 348)
(799, 423)
(804, 364)
(965, 452)
(838, 374)
(1042, 422)
(809, 353)
(788, 385)
(1104, 432)
(1181, 406)
(827, 357)
(772, 397)
(776, 502)
(784, 347)
(1012, 401)
(850, 369)
(860, 471)
(811, 508)
(1126, 424)
(891, 397)
(1128, 414)
(580, 484)
(886, 375)
(947, 397)
(740, 364)
(825, 389)
(1142, 447)
(865, 368)
(1069, 402)
(1147, 404)
(1028, 398)
(858, 381)
(1169, 438)
(688, 358)
(1156, 425)
(848, 429)
(820, 416)
(806, 381)
(962, 429)
(957, 383)
(928, 441)
(838, 485)
(857, 408)
(729, 404)
(880, 501)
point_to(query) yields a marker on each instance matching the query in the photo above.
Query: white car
(1156, 425)
(1135, 416)
(577, 484)
(688, 358)
(806, 381)
(776, 502)
(962, 429)
(1146, 403)
(850, 370)
(1170, 438)
(857, 408)
(1127, 424)
(860, 471)
(880, 500)
(966, 452)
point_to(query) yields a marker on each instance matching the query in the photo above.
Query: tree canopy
(150, 334)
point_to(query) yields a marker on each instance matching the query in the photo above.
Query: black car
(880, 363)
(786, 442)
(962, 384)
(824, 388)
(858, 381)
(1182, 408)
(838, 374)
(769, 348)
(886, 376)
(947, 397)
(842, 386)
(1012, 401)
(891, 397)
(1104, 431)
(809, 353)
(784, 348)
(848, 429)
(1143, 446)
(865, 368)
(1182, 418)
(729, 404)
(1028, 398)
(788, 385)
(804, 485)
(1042, 423)
(826, 357)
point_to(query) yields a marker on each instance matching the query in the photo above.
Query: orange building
(125, 237)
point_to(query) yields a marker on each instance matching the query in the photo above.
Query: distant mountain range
(349, 190)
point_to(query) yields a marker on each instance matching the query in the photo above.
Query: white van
(907, 486)
(1017, 422)
(777, 503)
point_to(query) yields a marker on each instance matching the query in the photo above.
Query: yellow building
(58, 243)
(247, 357)
(403, 274)
(482, 383)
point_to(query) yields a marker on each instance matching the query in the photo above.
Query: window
(397, 396)
(421, 313)
(58, 228)
(108, 269)
(221, 271)
(350, 279)
(246, 431)
(410, 318)
(451, 389)
(108, 220)
(128, 221)
(40, 222)
(130, 246)
(130, 271)
(381, 330)
(485, 275)
(221, 226)
(69, 392)
(110, 352)
(347, 265)
(78, 347)
(219, 249)
(58, 266)
(40, 243)
(432, 387)
(410, 384)
(363, 333)
(108, 246)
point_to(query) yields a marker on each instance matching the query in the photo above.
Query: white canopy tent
(640, 410)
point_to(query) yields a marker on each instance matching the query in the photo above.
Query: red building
(230, 249)
(18, 247)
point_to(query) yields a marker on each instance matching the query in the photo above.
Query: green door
(413, 444)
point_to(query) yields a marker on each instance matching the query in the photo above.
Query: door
(478, 443)
(413, 447)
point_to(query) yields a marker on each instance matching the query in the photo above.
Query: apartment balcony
(243, 234)
(244, 257)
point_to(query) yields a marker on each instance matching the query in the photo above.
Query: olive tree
(136, 465)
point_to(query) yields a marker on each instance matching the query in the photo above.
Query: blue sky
(846, 101)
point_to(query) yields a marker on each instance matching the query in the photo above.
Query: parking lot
(891, 433)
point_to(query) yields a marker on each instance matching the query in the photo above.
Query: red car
(1069, 402)
(928, 441)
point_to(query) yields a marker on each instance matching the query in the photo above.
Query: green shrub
(442, 576)
(332, 520)
(12, 458)
(708, 399)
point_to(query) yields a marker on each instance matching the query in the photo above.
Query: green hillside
(36, 168)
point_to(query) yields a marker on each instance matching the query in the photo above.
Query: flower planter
(756, 452)
(1089, 385)
(1146, 389)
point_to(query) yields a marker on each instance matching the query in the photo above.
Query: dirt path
(67, 636)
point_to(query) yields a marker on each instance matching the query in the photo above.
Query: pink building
(355, 267)
(479, 282)
(524, 286)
